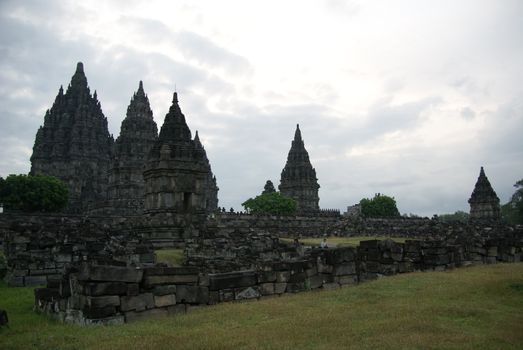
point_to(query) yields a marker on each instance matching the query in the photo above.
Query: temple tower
(177, 169)
(74, 144)
(211, 188)
(298, 178)
(138, 133)
(484, 203)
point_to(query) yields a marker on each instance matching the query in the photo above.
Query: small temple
(298, 177)
(484, 202)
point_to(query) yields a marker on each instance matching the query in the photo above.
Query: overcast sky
(405, 98)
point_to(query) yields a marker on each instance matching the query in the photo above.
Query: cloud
(467, 113)
(210, 55)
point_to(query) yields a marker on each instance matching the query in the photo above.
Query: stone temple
(298, 178)
(74, 144)
(138, 134)
(142, 172)
(178, 175)
(484, 203)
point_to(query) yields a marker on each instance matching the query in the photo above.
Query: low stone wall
(94, 294)
(41, 247)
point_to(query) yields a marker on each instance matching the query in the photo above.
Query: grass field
(469, 308)
(342, 241)
(171, 256)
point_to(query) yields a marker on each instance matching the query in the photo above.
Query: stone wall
(39, 247)
(93, 294)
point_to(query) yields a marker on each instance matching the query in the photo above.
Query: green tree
(33, 193)
(378, 207)
(512, 212)
(270, 203)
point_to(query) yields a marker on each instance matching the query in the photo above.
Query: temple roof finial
(297, 134)
(175, 97)
(79, 67)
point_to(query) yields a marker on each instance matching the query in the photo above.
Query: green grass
(469, 308)
(342, 241)
(173, 257)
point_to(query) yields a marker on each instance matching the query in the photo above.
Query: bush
(379, 207)
(270, 203)
(512, 212)
(33, 193)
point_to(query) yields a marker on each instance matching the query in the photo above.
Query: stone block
(266, 276)
(279, 288)
(76, 301)
(35, 280)
(137, 302)
(345, 280)
(102, 312)
(192, 294)
(132, 316)
(226, 295)
(492, 251)
(340, 255)
(297, 277)
(89, 272)
(232, 280)
(345, 269)
(164, 300)
(106, 321)
(164, 290)
(297, 287)
(315, 281)
(489, 260)
(247, 293)
(103, 301)
(133, 289)
(105, 288)
(170, 279)
(324, 268)
(283, 276)
(267, 288)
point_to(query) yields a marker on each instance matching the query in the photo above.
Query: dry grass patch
(171, 256)
(342, 241)
(470, 308)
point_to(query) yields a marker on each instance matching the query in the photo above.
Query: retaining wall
(94, 294)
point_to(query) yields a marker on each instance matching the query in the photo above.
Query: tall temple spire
(484, 202)
(174, 126)
(138, 133)
(74, 144)
(298, 178)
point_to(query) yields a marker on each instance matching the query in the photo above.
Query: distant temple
(74, 144)
(298, 178)
(484, 203)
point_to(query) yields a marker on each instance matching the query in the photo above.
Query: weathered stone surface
(96, 313)
(105, 288)
(103, 301)
(345, 269)
(46, 294)
(164, 290)
(267, 288)
(164, 300)
(192, 294)
(170, 279)
(232, 280)
(90, 272)
(247, 293)
(137, 302)
(35, 280)
(279, 288)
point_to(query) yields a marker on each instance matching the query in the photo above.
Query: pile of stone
(43, 247)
